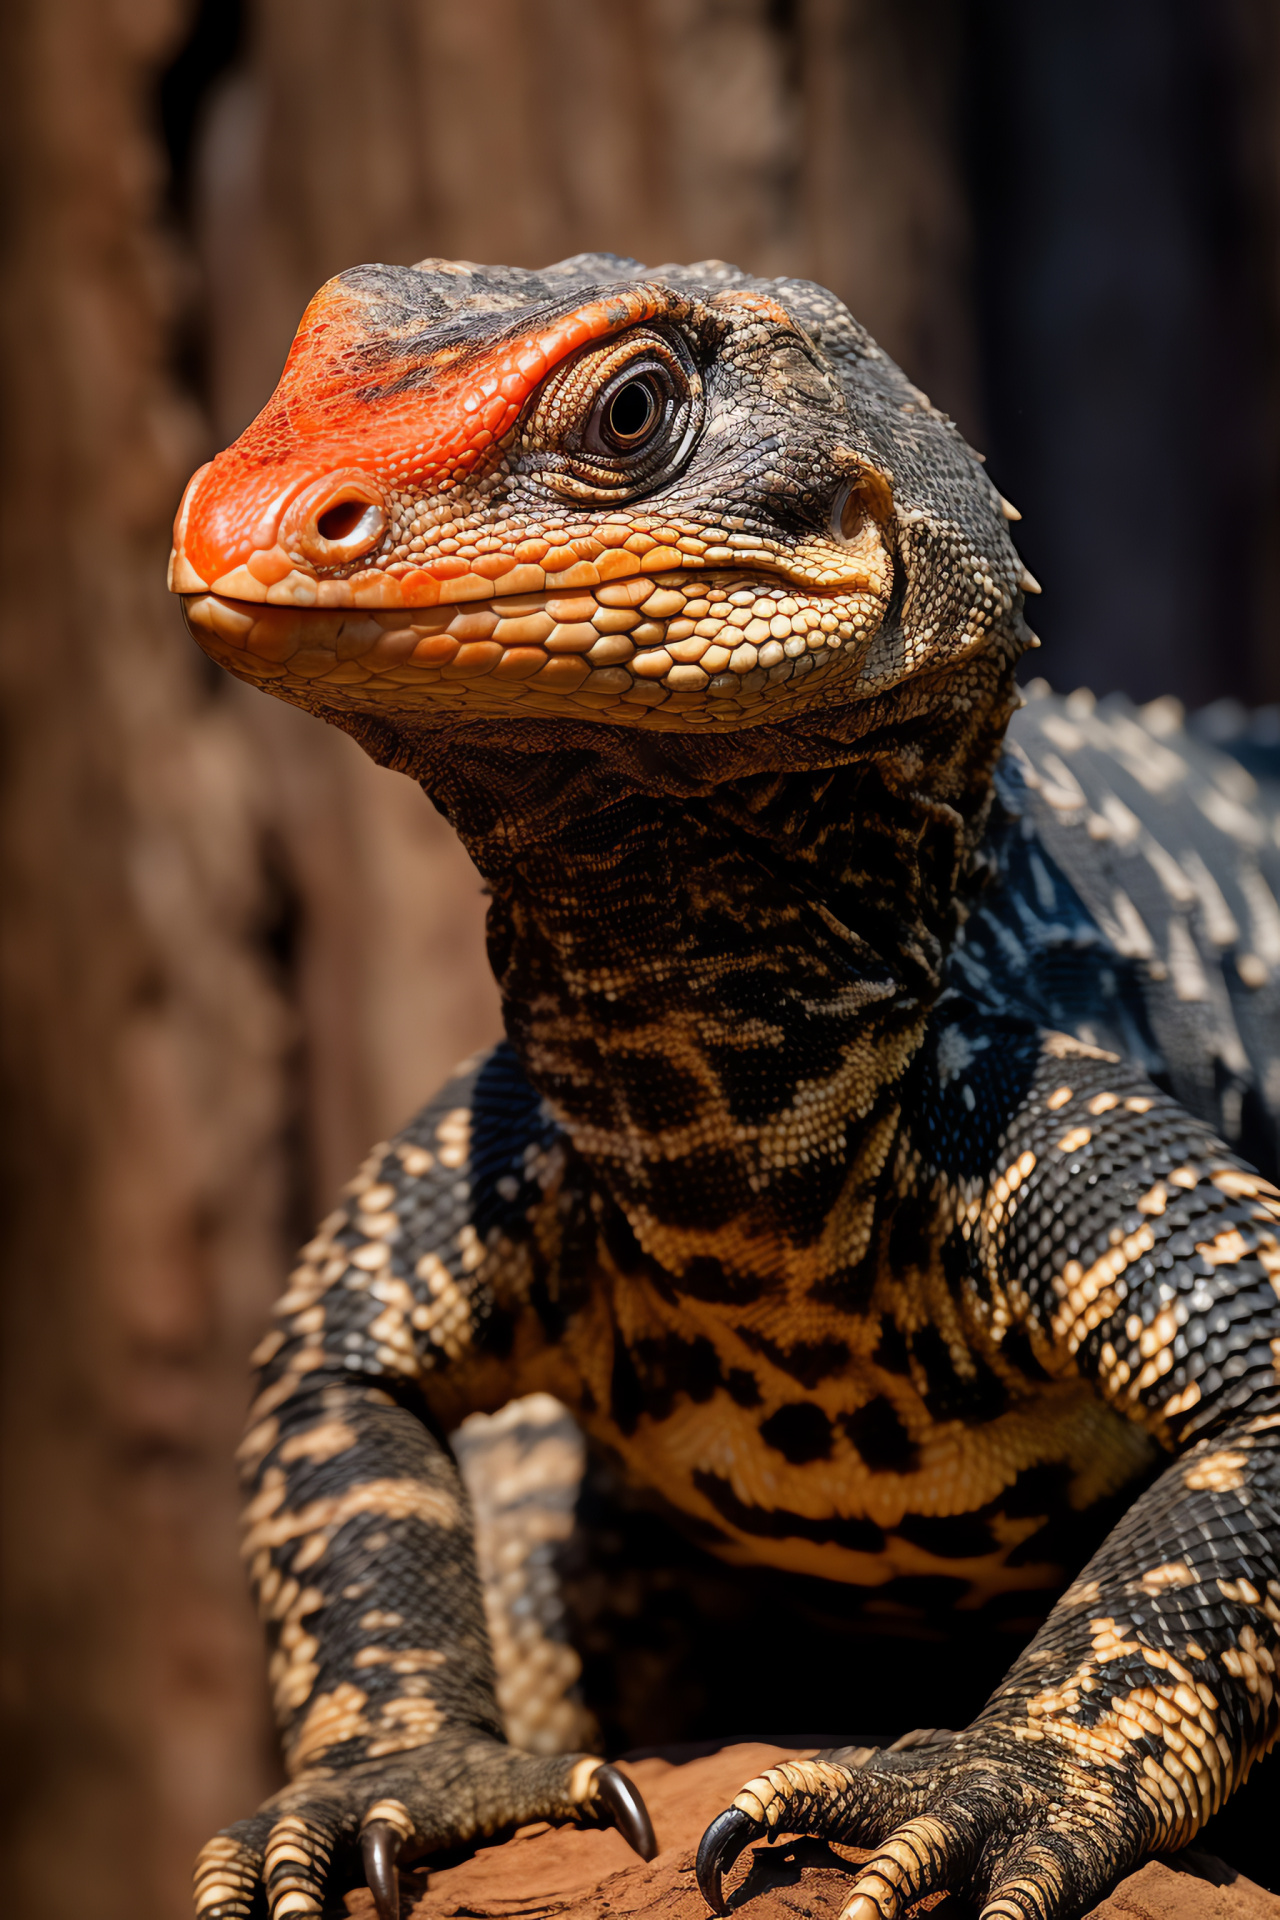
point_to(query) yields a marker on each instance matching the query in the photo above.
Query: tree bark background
(233, 952)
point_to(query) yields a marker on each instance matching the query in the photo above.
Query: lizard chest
(892, 1448)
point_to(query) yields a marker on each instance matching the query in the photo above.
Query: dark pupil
(632, 410)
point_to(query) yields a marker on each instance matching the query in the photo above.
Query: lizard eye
(629, 412)
(617, 420)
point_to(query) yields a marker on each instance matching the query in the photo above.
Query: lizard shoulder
(436, 1270)
(1131, 900)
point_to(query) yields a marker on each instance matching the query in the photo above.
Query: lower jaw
(704, 668)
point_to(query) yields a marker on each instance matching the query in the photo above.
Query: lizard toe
(719, 1848)
(295, 1864)
(1056, 1872)
(1030, 1889)
(944, 1811)
(619, 1803)
(228, 1871)
(831, 1797)
(380, 1850)
(918, 1858)
(326, 1830)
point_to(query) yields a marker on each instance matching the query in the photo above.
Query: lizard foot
(941, 1811)
(313, 1838)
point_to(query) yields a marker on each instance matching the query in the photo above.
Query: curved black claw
(617, 1797)
(721, 1844)
(380, 1846)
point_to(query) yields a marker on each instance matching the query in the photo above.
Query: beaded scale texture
(874, 1165)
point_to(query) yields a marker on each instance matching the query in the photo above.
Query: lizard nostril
(335, 521)
(339, 522)
(343, 530)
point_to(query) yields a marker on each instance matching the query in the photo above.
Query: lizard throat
(719, 983)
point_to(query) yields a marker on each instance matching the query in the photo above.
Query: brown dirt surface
(589, 1875)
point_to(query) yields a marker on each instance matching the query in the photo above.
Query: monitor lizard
(874, 1163)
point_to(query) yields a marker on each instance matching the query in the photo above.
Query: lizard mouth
(676, 650)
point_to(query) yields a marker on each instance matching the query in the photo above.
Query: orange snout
(304, 528)
(289, 511)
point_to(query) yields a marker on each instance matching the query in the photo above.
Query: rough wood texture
(514, 132)
(595, 1876)
(143, 1032)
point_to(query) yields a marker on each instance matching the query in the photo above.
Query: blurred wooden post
(816, 139)
(143, 1039)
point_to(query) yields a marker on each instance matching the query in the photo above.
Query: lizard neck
(718, 965)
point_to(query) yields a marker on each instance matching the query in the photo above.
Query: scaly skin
(701, 626)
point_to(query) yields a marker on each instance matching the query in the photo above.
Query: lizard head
(677, 499)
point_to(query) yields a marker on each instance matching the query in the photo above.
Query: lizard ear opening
(955, 579)
(865, 496)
